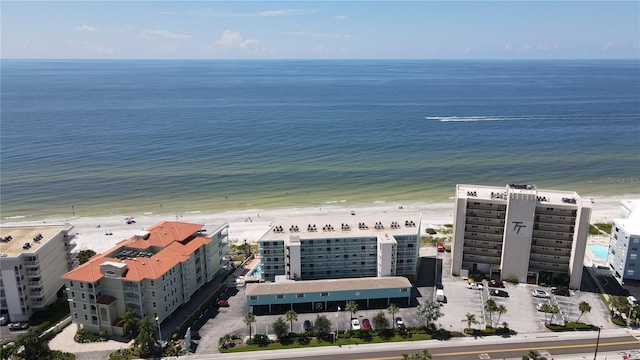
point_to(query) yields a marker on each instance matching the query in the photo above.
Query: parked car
(495, 284)
(400, 323)
(447, 248)
(18, 326)
(223, 303)
(355, 324)
(366, 324)
(496, 292)
(561, 291)
(440, 247)
(475, 286)
(4, 320)
(307, 326)
(540, 293)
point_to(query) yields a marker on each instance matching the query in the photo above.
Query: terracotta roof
(166, 234)
(106, 299)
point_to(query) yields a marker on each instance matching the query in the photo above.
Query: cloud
(607, 45)
(234, 39)
(314, 34)
(340, 17)
(319, 50)
(508, 47)
(99, 49)
(150, 34)
(87, 28)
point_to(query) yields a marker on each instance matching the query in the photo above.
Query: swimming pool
(256, 272)
(599, 251)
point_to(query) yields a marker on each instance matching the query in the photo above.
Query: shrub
(303, 339)
(84, 337)
(430, 231)
(513, 280)
(259, 339)
(618, 321)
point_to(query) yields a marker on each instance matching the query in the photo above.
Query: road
(612, 347)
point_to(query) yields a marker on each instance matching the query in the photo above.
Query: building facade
(341, 247)
(625, 243)
(151, 274)
(521, 232)
(32, 259)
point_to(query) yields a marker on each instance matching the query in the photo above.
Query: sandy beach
(252, 224)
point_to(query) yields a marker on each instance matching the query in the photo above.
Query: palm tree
(352, 308)
(249, 319)
(490, 306)
(146, 335)
(584, 307)
(393, 310)
(430, 311)
(501, 309)
(470, 319)
(291, 316)
(129, 323)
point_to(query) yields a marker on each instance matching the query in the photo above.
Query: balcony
(554, 235)
(555, 219)
(471, 258)
(555, 211)
(470, 244)
(550, 250)
(484, 229)
(482, 251)
(33, 272)
(551, 259)
(32, 284)
(472, 205)
(537, 266)
(134, 289)
(490, 214)
(132, 300)
(483, 236)
(485, 221)
(32, 263)
(564, 244)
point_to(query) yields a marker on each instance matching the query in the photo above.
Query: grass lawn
(318, 342)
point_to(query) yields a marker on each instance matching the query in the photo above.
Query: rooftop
(309, 286)
(498, 193)
(631, 223)
(34, 236)
(331, 226)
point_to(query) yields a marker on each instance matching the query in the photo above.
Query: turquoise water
(83, 138)
(600, 251)
(256, 272)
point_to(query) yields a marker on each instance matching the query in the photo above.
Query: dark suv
(561, 292)
(496, 292)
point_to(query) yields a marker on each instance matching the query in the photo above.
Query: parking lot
(521, 315)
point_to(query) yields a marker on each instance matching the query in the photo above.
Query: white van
(440, 295)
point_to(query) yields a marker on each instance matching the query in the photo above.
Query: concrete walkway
(64, 342)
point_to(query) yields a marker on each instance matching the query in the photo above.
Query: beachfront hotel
(625, 242)
(32, 259)
(520, 231)
(320, 263)
(151, 274)
(333, 247)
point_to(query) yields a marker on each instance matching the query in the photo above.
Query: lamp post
(159, 329)
(338, 322)
(597, 343)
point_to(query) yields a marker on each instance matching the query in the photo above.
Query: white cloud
(314, 34)
(150, 34)
(340, 17)
(607, 45)
(99, 49)
(234, 39)
(508, 47)
(87, 28)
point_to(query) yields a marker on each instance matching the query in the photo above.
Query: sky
(320, 30)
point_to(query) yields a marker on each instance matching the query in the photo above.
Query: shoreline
(251, 224)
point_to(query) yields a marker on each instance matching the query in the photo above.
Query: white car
(540, 294)
(475, 286)
(355, 324)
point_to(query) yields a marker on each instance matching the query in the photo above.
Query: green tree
(380, 322)
(146, 336)
(501, 309)
(291, 316)
(470, 319)
(424, 355)
(129, 323)
(533, 355)
(225, 341)
(584, 307)
(280, 328)
(545, 308)
(430, 311)
(490, 307)
(85, 255)
(322, 325)
(352, 308)
(33, 344)
(393, 310)
(249, 319)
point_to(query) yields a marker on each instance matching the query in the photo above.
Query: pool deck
(590, 258)
(250, 266)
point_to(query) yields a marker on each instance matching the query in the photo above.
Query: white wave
(379, 202)
(15, 217)
(487, 118)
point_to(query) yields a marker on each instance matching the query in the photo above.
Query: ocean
(93, 138)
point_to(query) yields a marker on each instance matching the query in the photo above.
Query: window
(279, 296)
(253, 297)
(299, 295)
(324, 294)
(84, 306)
(404, 290)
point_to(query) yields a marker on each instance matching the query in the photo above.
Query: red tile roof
(168, 235)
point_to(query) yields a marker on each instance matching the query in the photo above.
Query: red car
(440, 247)
(366, 325)
(223, 303)
(495, 283)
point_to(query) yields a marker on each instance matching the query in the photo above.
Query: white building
(331, 247)
(625, 242)
(520, 231)
(151, 274)
(32, 259)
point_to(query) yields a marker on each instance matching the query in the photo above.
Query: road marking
(546, 348)
(484, 356)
